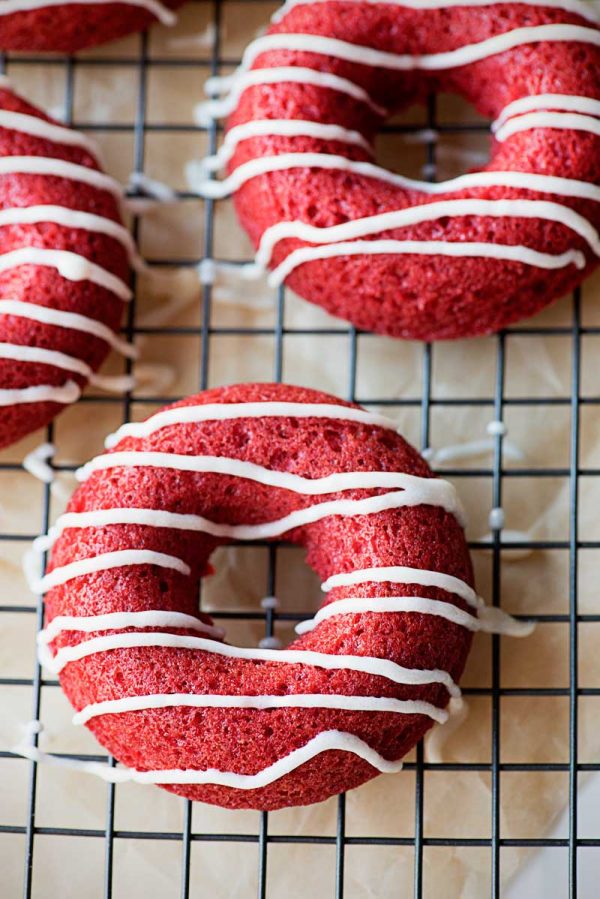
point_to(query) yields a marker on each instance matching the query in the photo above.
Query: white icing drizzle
(36, 462)
(216, 109)
(229, 411)
(41, 393)
(262, 702)
(270, 643)
(471, 449)
(32, 727)
(265, 165)
(426, 212)
(282, 128)
(436, 738)
(154, 188)
(509, 542)
(496, 428)
(225, 278)
(563, 120)
(495, 620)
(57, 112)
(161, 12)
(286, 161)
(398, 574)
(24, 353)
(70, 266)
(69, 218)
(496, 519)
(70, 320)
(518, 253)
(391, 671)
(354, 605)
(106, 561)
(552, 184)
(325, 741)
(423, 136)
(578, 7)
(333, 483)
(562, 102)
(442, 495)
(59, 168)
(121, 620)
(41, 356)
(208, 270)
(269, 602)
(50, 131)
(431, 62)
(150, 194)
(489, 620)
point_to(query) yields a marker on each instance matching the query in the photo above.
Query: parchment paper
(456, 804)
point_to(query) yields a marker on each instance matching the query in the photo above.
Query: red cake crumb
(248, 740)
(71, 27)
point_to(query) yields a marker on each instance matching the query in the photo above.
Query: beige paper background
(456, 804)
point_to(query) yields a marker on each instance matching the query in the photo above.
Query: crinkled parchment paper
(457, 804)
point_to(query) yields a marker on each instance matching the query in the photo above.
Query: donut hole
(435, 146)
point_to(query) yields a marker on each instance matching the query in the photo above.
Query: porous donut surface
(64, 266)
(66, 26)
(259, 728)
(395, 255)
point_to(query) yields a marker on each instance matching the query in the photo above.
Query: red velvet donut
(64, 267)
(67, 26)
(394, 255)
(259, 728)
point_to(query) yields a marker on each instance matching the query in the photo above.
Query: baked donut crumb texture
(152, 677)
(390, 254)
(67, 26)
(65, 258)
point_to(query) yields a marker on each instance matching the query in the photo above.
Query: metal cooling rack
(496, 473)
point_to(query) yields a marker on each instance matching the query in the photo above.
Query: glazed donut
(67, 26)
(388, 253)
(64, 267)
(259, 728)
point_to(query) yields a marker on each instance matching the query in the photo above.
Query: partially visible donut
(259, 728)
(394, 255)
(66, 26)
(64, 267)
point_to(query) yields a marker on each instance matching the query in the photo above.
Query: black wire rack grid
(497, 403)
